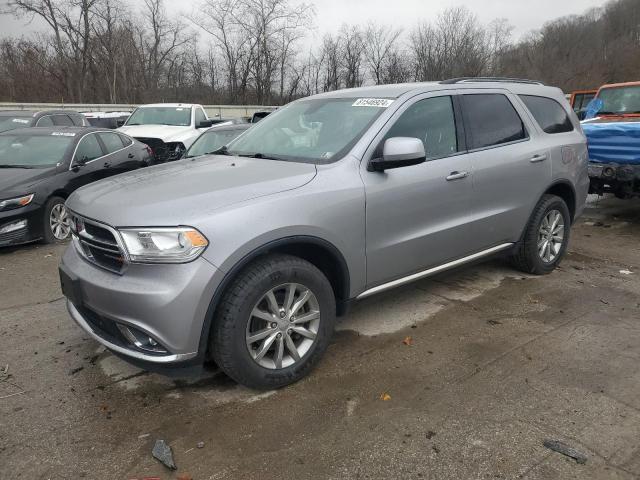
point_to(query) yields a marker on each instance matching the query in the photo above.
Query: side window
(45, 121)
(431, 120)
(88, 148)
(126, 141)
(62, 121)
(491, 120)
(548, 113)
(111, 141)
(200, 116)
(78, 120)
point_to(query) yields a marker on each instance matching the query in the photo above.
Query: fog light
(141, 340)
(12, 227)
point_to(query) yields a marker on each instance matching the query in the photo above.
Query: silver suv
(247, 256)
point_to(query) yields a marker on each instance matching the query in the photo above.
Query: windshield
(11, 123)
(176, 116)
(620, 99)
(316, 130)
(33, 151)
(211, 141)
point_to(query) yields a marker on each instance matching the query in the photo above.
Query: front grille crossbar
(98, 244)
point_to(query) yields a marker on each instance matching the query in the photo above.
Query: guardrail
(213, 111)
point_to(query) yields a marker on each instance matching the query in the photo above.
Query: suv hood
(19, 181)
(182, 192)
(166, 133)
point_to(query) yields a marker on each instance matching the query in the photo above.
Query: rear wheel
(57, 222)
(546, 238)
(274, 322)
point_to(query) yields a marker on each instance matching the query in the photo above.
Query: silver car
(247, 256)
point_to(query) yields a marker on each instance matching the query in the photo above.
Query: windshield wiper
(16, 166)
(259, 155)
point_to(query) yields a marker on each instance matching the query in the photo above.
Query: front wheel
(546, 238)
(57, 221)
(274, 322)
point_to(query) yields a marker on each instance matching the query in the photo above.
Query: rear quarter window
(491, 120)
(549, 114)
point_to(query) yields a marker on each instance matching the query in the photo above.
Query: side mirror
(205, 124)
(399, 152)
(79, 162)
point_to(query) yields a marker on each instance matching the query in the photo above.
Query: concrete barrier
(213, 111)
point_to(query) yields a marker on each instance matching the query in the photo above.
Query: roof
(170, 105)
(397, 90)
(617, 85)
(44, 131)
(33, 113)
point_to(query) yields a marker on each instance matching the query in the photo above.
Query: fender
(342, 302)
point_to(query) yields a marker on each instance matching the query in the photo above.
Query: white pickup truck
(168, 128)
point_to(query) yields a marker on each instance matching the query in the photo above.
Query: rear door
(418, 216)
(511, 166)
(119, 158)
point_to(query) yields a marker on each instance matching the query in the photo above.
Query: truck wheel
(57, 222)
(546, 238)
(274, 322)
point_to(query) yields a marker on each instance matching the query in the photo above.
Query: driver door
(90, 149)
(419, 216)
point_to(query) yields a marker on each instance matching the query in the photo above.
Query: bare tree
(381, 41)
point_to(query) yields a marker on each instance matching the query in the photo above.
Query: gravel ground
(496, 363)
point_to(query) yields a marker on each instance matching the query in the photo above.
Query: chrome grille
(98, 244)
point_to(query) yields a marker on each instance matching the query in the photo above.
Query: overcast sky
(524, 15)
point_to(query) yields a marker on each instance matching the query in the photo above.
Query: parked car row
(42, 166)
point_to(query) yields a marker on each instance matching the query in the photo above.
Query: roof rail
(489, 79)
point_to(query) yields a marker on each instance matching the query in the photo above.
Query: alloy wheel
(60, 222)
(551, 236)
(283, 326)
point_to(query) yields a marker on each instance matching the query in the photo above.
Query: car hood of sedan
(19, 181)
(166, 133)
(182, 192)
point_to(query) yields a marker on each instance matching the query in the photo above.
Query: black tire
(526, 256)
(48, 236)
(228, 344)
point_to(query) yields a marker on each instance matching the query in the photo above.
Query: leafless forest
(269, 52)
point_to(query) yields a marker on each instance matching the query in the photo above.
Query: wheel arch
(564, 189)
(319, 252)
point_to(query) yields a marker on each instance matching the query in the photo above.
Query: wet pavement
(496, 363)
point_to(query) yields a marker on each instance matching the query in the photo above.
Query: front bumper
(166, 302)
(23, 225)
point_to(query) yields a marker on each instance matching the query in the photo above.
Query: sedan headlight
(163, 245)
(12, 203)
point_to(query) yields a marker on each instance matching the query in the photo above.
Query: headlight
(17, 202)
(163, 245)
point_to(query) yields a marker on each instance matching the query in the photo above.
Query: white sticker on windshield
(63, 134)
(20, 120)
(372, 102)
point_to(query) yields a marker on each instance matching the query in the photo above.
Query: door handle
(457, 176)
(131, 155)
(538, 158)
(107, 164)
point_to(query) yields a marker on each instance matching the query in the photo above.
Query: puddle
(405, 306)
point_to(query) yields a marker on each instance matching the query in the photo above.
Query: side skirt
(432, 271)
